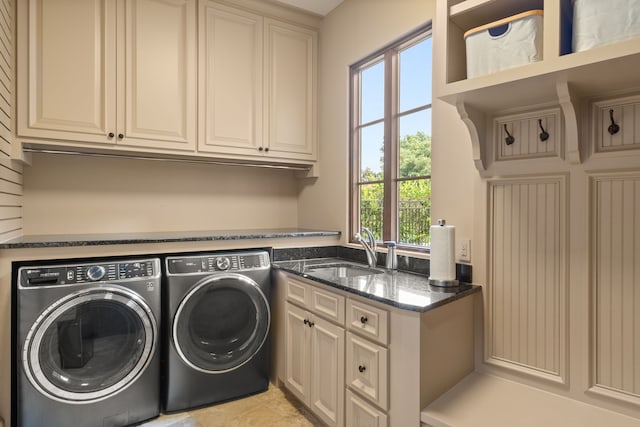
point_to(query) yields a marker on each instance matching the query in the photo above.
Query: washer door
(90, 345)
(221, 323)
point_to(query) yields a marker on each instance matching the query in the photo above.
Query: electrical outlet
(464, 250)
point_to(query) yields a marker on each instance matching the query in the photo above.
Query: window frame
(391, 181)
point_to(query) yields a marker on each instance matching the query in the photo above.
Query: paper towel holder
(443, 283)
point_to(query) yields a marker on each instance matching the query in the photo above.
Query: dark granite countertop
(53, 241)
(407, 291)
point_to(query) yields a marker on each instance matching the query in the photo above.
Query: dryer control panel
(87, 273)
(241, 261)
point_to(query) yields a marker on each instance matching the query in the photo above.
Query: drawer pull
(306, 322)
(363, 320)
(311, 324)
(362, 368)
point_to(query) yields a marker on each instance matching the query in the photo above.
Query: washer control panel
(240, 261)
(87, 273)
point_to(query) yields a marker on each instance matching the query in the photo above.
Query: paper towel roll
(443, 262)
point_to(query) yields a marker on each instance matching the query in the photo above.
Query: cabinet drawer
(361, 414)
(366, 369)
(328, 304)
(368, 321)
(298, 292)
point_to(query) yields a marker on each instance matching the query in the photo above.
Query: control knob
(95, 272)
(223, 263)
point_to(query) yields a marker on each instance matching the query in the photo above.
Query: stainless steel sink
(341, 270)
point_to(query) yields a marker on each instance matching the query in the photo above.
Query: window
(390, 179)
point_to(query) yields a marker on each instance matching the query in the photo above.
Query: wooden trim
(390, 55)
(354, 153)
(503, 21)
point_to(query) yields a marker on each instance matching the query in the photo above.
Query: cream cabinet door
(327, 371)
(290, 80)
(230, 80)
(297, 352)
(108, 71)
(158, 96)
(67, 70)
(367, 369)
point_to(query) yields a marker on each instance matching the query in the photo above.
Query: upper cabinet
(258, 85)
(94, 73)
(231, 95)
(569, 81)
(290, 83)
(157, 104)
(169, 78)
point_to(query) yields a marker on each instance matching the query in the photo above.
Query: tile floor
(275, 407)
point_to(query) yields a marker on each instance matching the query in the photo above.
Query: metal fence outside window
(414, 219)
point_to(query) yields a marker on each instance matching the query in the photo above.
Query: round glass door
(90, 345)
(221, 323)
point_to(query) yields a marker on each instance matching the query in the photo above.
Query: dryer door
(90, 344)
(221, 323)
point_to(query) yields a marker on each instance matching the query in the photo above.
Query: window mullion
(390, 204)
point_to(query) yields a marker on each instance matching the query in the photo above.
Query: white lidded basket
(601, 22)
(507, 43)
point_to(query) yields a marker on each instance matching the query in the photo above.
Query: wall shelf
(560, 79)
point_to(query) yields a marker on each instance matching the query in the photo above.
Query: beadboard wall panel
(526, 130)
(10, 172)
(616, 283)
(623, 113)
(527, 301)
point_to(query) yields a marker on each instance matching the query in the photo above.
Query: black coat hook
(544, 135)
(613, 127)
(509, 139)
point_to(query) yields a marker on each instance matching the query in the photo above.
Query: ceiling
(321, 7)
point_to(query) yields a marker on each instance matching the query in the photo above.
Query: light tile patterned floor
(274, 407)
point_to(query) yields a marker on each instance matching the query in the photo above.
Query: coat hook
(509, 139)
(613, 127)
(544, 135)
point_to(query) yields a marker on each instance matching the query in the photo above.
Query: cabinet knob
(260, 148)
(362, 368)
(266, 149)
(311, 324)
(111, 135)
(363, 320)
(306, 322)
(120, 135)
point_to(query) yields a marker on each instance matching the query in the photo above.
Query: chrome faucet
(369, 247)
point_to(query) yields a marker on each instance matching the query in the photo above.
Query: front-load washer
(217, 327)
(87, 343)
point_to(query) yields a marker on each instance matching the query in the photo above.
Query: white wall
(352, 31)
(67, 194)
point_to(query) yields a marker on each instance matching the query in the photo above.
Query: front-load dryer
(217, 327)
(87, 343)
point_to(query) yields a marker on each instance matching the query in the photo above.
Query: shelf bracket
(474, 121)
(568, 102)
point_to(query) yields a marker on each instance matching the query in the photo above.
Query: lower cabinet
(315, 352)
(314, 367)
(356, 362)
(362, 414)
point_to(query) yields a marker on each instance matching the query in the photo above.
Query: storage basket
(507, 43)
(600, 22)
